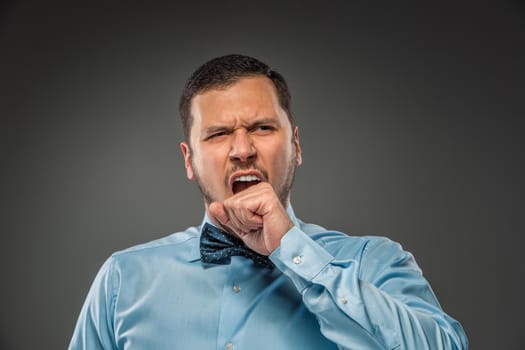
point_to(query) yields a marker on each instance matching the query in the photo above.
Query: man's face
(240, 135)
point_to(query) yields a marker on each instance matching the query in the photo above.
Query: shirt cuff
(300, 257)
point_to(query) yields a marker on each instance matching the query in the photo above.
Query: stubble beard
(282, 189)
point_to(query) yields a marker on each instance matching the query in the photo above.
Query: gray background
(410, 122)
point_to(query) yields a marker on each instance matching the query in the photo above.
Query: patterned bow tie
(217, 247)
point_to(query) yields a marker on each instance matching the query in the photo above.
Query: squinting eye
(264, 128)
(217, 134)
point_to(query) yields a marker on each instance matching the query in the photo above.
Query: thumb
(217, 212)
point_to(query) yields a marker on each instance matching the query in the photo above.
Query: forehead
(247, 98)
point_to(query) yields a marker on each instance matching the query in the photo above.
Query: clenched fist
(255, 215)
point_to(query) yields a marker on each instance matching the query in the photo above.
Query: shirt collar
(195, 254)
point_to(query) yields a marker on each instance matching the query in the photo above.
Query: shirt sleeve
(94, 328)
(370, 298)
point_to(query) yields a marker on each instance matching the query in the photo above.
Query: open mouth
(241, 183)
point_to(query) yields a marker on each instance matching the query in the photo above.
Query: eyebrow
(264, 121)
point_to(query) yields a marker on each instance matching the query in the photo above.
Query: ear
(299, 158)
(186, 152)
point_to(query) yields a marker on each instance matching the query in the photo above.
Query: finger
(258, 199)
(253, 220)
(218, 212)
(240, 214)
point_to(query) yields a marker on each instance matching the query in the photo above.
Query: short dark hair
(224, 71)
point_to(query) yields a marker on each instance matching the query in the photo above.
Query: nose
(242, 148)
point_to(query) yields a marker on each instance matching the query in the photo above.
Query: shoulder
(178, 245)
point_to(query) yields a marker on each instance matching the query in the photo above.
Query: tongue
(239, 186)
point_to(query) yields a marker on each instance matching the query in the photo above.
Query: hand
(255, 215)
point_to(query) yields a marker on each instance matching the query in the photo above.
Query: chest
(236, 306)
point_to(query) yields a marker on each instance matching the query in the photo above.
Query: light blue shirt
(328, 291)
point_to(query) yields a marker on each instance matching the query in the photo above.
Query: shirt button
(343, 300)
(228, 346)
(297, 260)
(236, 289)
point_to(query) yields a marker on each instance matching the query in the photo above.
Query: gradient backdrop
(410, 120)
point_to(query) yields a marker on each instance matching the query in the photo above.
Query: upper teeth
(247, 178)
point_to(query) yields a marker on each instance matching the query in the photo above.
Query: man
(253, 276)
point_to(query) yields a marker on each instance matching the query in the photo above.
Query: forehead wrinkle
(242, 118)
(242, 122)
(235, 109)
